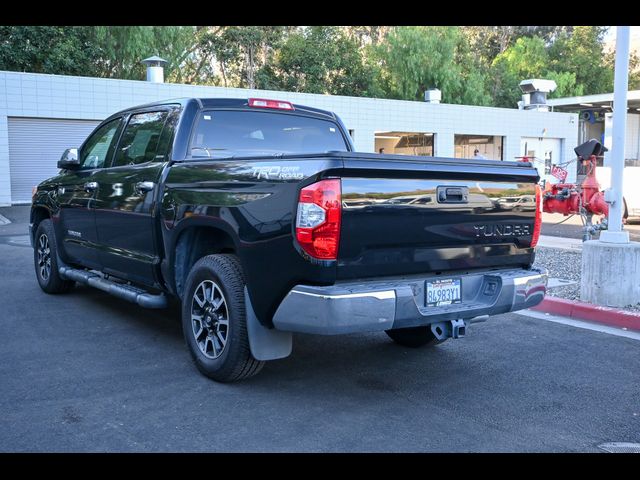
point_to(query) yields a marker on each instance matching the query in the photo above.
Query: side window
(140, 139)
(99, 146)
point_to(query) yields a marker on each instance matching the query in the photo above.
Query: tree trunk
(250, 66)
(224, 75)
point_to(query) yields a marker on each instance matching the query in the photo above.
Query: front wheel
(214, 320)
(45, 259)
(414, 337)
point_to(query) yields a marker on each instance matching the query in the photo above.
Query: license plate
(443, 292)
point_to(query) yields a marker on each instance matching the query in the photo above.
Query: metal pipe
(613, 196)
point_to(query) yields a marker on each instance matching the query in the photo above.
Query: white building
(42, 115)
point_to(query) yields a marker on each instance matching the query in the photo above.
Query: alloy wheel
(44, 257)
(210, 319)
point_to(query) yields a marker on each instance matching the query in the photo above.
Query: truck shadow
(328, 365)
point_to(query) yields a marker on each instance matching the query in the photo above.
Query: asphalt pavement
(91, 373)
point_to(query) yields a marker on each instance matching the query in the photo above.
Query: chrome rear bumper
(350, 307)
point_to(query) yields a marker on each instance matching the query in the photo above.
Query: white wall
(632, 138)
(631, 144)
(55, 96)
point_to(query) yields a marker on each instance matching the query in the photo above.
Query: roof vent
(433, 95)
(535, 93)
(155, 69)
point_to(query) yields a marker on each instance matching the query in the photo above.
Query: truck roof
(240, 103)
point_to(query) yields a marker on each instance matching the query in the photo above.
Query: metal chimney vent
(155, 69)
(535, 93)
(433, 96)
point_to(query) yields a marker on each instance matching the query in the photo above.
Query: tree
(232, 55)
(320, 60)
(367, 35)
(529, 57)
(582, 54)
(124, 47)
(491, 41)
(48, 49)
(414, 59)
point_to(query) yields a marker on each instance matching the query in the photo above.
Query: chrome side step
(126, 292)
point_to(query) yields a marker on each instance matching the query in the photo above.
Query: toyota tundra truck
(261, 220)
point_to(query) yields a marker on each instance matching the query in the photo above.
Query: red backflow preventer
(585, 199)
(568, 198)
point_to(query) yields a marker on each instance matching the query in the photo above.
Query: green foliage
(575, 61)
(58, 50)
(480, 65)
(567, 84)
(490, 41)
(582, 53)
(123, 48)
(527, 58)
(415, 59)
(320, 60)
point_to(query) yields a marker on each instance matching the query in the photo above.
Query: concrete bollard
(610, 273)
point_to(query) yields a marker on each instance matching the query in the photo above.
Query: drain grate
(620, 447)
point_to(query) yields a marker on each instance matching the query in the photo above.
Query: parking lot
(89, 372)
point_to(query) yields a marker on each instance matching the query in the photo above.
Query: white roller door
(35, 146)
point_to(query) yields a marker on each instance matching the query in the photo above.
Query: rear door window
(139, 143)
(223, 133)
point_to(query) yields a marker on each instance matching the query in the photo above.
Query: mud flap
(265, 343)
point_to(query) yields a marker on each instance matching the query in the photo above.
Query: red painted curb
(588, 311)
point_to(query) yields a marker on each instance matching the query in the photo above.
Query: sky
(611, 34)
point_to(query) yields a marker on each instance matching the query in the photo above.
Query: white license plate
(443, 292)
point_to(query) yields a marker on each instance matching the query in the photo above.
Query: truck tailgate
(404, 215)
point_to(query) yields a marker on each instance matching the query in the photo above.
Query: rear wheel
(414, 337)
(45, 260)
(214, 320)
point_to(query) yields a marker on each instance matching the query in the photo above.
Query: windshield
(221, 133)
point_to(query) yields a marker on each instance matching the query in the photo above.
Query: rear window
(222, 134)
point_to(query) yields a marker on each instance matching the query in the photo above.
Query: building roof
(601, 101)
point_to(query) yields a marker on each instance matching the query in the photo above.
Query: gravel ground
(565, 264)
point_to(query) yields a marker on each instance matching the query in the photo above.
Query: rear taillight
(537, 224)
(318, 219)
(265, 103)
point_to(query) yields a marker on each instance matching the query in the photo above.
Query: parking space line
(580, 324)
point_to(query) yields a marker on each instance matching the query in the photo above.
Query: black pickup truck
(258, 216)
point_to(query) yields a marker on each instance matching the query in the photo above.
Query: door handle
(144, 186)
(90, 186)
(453, 194)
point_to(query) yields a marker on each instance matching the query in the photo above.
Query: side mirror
(69, 159)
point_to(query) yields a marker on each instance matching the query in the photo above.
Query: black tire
(223, 362)
(414, 337)
(45, 260)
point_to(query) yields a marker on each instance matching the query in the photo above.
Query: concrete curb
(592, 313)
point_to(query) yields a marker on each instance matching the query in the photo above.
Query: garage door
(35, 146)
